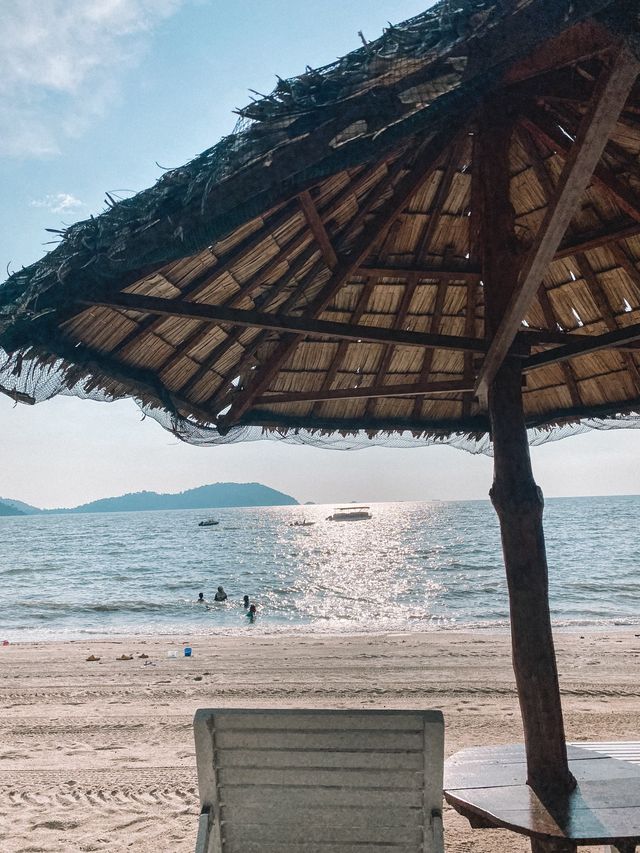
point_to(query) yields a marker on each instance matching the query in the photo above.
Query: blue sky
(94, 94)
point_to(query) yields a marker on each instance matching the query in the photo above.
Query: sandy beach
(98, 756)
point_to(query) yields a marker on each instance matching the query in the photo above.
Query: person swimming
(252, 613)
(245, 602)
(200, 598)
(220, 595)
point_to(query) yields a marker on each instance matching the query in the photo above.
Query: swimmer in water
(220, 595)
(245, 602)
(252, 613)
(200, 598)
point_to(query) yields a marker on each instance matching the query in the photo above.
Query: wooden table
(487, 786)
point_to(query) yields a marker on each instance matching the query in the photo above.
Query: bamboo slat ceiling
(323, 267)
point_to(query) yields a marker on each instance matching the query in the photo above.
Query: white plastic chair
(300, 781)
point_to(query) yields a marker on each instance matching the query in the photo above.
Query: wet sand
(98, 756)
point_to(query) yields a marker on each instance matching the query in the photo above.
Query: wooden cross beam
(609, 97)
(418, 273)
(595, 239)
(592, 343)
(375, 391)
(285, 322)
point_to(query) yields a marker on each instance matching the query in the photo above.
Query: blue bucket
(187, 652)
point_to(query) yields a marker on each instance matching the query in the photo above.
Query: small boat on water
(209, 522)
(350, 513)
(304, 523)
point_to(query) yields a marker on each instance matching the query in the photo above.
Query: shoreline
(99, 755)
(255, 632)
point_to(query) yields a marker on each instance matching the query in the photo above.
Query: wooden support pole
(519, 503)
(515, 496)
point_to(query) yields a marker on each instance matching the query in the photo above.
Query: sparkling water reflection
(413, 566)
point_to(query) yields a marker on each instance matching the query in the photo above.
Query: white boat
(350, 513)
(209, 522)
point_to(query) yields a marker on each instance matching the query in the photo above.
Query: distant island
(9, 509)
(214, 496)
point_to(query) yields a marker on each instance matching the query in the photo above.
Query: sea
(429, 566)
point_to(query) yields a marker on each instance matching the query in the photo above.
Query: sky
(100, 96)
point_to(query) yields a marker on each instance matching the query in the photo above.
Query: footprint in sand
(8, 756)
(56, 824)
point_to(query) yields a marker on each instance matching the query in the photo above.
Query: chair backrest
(300, 781)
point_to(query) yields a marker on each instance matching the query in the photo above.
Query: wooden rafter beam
(366, 204)
(624, 261)
(425, 162)
(609, 97)
(318, 230)
(439, 200)
(602, 303)
(294, 268)
(233, 337)
(531, 37)
(389, 349)
(208, 276)
(548, 187)
(475, 255)
(567, 372)
(569, 116)
(542, 127)
(592, 343)
(427, 359)
(292, 251)
(469, 329)
(537, 163)
(285, 323)
(581, 41)
(596, 239)
(373, 392)
(193, 340)
(361, 307)
(250, 349)
(423, 167)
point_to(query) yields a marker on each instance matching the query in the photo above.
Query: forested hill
(214, 496)
(204, 497)
(9, 509)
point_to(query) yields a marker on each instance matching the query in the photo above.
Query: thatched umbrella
(437, 236)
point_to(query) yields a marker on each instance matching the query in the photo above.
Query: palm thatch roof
(323, 268)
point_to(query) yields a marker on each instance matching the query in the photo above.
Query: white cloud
(58, 63)
(58, 203)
